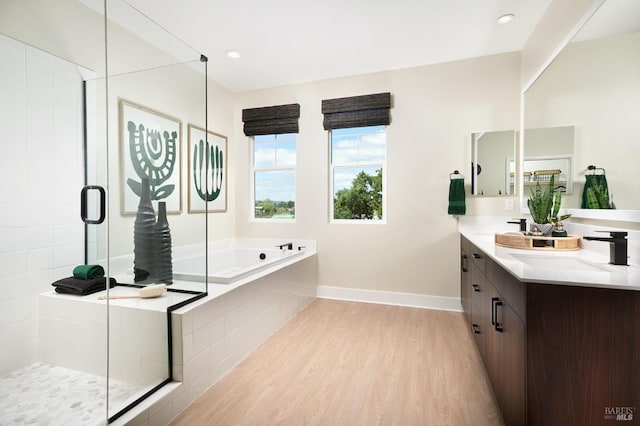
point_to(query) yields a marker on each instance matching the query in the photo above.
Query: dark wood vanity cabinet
(555, 354)
(497, 329)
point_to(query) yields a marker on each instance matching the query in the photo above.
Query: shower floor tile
(44, 394)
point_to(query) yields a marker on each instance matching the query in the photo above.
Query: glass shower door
(155, 101)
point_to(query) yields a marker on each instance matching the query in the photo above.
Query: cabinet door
(493, 343)
(582, 355)
(478, 308)
(465, 278)
(505, 356)
(512, 360)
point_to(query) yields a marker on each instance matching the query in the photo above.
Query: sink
(569, 263)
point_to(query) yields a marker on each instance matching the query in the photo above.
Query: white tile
(217, 330)
(12, 286)
(201, 317)
(37, 237)
(200, 386)
(187, 323)
(13, 263)
(187, 348)
(70, 255)
(12, 75)
(12, 239)
(182, 401)
(163, 416)
(39, 259)
(216, 354)
(201, 339)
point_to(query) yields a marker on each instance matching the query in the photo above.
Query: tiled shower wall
(41, 175)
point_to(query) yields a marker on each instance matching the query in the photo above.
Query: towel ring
(456, 175)
(594, 168)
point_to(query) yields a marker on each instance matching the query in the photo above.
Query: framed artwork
(207, 171)
(150, 147)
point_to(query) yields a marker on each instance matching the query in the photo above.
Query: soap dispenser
(558, 230)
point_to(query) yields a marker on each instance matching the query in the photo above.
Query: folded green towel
(88, 272)
(457, 203)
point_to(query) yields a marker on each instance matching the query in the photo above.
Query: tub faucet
(521, 222)
(617, 246)
(289, 246)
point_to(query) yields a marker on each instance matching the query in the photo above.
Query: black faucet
(289, 246)
(522, 223)
(617, 246)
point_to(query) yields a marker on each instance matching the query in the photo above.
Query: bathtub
(227, 265)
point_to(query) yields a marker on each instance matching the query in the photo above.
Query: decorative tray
(533, 242)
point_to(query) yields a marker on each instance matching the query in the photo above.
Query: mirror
(549, 151)
(492, 154)
(593, 86)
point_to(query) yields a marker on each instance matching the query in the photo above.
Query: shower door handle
(83, 204)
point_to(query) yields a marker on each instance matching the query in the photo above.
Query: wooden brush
(148, 292)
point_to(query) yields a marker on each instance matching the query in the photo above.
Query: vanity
(559, 333)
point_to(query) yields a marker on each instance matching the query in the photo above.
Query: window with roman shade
(273, 132)
(357, 111)
(272, 120)
(357, 140)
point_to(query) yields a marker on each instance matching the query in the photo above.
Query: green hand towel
(595, 194)
(457, 203)
(88, 272)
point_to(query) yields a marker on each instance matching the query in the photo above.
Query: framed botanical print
(207, 171)
(150, 147)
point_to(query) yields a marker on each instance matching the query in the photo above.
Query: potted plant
(544, 206)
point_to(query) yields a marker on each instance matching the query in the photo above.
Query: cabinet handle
(495, 303)
(476, 256)
(476, 288)
(493, 310)
(474, 328)
(463, 263)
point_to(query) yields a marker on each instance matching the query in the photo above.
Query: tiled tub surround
(210, 336)
(222, 329)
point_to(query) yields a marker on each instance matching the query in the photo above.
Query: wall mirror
(592, 89)
(548, 152)
(492, 155)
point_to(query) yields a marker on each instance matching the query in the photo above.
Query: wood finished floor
(347, 363)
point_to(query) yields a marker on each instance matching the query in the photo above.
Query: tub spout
(289, 246)
(617, 246)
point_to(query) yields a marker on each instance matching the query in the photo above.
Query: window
(274, 176)
(357, 173)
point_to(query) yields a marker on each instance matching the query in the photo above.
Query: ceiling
(283, 42)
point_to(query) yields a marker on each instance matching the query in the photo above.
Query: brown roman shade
(357, 111)
(271, 120)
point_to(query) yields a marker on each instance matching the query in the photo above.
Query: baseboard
(390, 298)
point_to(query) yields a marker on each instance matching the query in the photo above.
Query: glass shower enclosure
(100, 107)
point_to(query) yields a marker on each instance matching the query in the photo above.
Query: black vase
(143, 228)
(163, 268)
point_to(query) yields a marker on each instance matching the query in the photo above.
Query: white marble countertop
(584, 268)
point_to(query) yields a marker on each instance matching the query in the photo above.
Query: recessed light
(232, 54)
(506, 18)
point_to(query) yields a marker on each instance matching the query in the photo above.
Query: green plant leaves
(544, 205)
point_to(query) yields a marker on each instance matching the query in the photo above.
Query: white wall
(434, 111)
(41, 170)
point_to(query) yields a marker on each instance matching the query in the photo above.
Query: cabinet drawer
(478, 258)
(508, 286)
